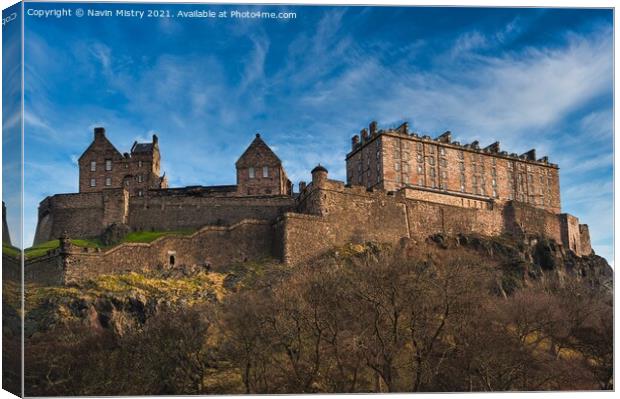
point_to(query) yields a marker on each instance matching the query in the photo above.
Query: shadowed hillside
(452, 313)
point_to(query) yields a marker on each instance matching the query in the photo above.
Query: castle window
(433, 173)
(252, 174)
(442, 151)
(93, 166)
(444, 174)
(420, 170)
(93, 182)
(108, 181)
(108, 165)
(420, 158)
(495, 193)
(431, 160)
(443, 162)
(140, 193)
(139, 178)
(419, 146)
(265, 171)
(462, 187)
(397, 166)
(139, 164)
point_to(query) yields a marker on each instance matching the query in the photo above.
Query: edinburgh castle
(399, 185)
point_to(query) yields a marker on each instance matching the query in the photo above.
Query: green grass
(10, 250)
(137, 236)
(41, 249)
(148, 236)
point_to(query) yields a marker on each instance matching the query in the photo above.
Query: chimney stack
(99, 133)
(373, 128)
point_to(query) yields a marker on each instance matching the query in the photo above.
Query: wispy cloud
(309, 85)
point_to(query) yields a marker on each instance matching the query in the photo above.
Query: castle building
(103, 167)
(446, 170)
(399, 186)
(260, 171)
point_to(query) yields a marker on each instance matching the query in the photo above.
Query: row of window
(108, 165)
(253, 172)
(108, 181)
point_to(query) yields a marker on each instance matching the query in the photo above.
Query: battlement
(445, 139)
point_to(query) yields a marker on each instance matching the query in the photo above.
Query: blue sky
(11, 121)
(528, 77)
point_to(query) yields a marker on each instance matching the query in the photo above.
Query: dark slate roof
(142, 148)
(258, 145)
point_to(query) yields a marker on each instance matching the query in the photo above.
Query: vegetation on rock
(460, 313)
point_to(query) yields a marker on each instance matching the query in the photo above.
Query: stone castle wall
(342, 214)
(175, 212)
(235, 229)
(212, 246)
(86, 215)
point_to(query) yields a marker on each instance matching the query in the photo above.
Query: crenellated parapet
(364, 137)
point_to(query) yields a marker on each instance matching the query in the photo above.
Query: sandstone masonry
(261, 216)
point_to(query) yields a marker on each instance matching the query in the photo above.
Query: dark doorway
(172, 260)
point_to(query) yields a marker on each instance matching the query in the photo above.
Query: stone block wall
(80, 214)
(185, 212)
(215, 246)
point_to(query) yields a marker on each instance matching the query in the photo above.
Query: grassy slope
(137, 237)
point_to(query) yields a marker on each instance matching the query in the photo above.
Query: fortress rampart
(260, 216)
(326, 214)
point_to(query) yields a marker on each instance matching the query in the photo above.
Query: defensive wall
(332, 214)
(327, 213)
(210, 247)
(86, 215)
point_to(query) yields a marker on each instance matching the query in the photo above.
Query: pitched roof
(105, 142)
(142, 148)
(259, 149)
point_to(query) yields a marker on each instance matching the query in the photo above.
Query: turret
(319, 176)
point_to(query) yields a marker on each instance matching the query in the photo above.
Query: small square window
(108, 181)
(93, 182)
(93, 166)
